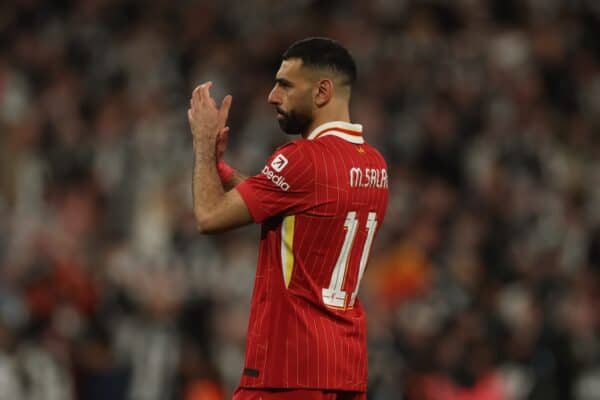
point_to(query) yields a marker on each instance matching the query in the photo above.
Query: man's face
(292, 97)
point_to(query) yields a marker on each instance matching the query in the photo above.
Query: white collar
(344, 130)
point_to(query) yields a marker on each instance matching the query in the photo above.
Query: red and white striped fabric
(321, 202)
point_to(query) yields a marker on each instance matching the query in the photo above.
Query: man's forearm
(206, 185)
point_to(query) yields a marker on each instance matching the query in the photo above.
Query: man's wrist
(202, 148)
(225, 171)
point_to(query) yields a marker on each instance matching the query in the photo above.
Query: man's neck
(343, 116)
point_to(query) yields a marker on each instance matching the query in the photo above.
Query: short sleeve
(284, 186)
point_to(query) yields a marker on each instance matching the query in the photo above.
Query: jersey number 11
(334, 295)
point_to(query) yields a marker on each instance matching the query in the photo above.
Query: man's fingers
(224, 110)
(195, 100)
(225, 134)
(221, 142)
(203, 106)
(226, 105)
(205, 94)
(222, 136)
(199, 94)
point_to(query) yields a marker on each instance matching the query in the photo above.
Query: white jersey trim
(342, 126)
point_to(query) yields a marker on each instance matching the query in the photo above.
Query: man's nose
(274, 98)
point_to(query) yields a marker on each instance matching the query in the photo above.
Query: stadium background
(484, 282)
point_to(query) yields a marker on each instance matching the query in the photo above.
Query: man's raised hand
(206, 120)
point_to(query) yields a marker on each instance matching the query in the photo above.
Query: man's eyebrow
(283, 81)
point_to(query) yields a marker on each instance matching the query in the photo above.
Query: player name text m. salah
(368, 178)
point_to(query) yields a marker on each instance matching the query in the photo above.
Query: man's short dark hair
(324, 53)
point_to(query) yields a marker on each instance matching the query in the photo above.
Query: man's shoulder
(324, 151)
(300, 151)
(295, 144)
(373, 150)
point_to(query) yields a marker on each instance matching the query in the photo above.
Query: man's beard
(294, 122)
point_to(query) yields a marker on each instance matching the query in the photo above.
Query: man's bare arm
(215, 209)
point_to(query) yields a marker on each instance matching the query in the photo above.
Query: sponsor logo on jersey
(279, 163)
(276, 179)
(368, 178)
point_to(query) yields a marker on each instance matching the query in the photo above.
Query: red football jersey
(321, 202)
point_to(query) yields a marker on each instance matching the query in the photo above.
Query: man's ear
(323, 92)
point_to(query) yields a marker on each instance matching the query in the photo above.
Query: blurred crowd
(484, 280)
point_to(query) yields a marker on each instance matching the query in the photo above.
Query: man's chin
(288, 130)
